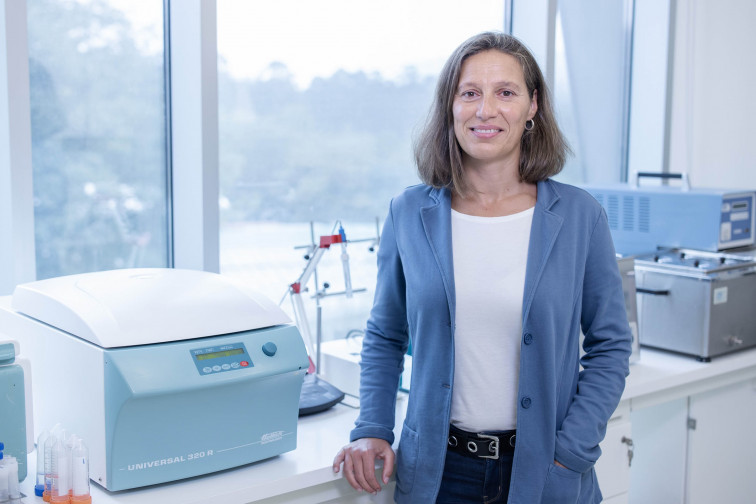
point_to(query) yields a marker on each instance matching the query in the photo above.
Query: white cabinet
(721, 445)
(657, 475)
(696, 449)
(613, 468)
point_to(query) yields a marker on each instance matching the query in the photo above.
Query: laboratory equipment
(80, 473)
(318, 394)
(39, 486)
(47, 449)
(642, 218)
(14, 489)
(168, 373)
(61, 472)
(15, 404)
(10, 489)
(626, 267)
(341, 363)
(696, 302)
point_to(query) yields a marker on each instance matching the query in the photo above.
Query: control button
(207, 369)
(244, 363)
(216, 368)
(235, 365)
(226, 367)
(269, 349)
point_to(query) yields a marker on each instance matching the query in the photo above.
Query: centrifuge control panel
(222, 358)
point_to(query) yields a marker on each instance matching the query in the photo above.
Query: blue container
(12, 407)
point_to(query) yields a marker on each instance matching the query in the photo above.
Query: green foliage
(341, 147)
(337, 149)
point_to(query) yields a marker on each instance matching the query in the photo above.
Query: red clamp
(328, 240)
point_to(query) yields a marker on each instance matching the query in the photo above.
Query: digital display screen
(224, 353)
(739, 206)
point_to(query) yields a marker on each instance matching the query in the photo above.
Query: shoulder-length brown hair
(543, 149)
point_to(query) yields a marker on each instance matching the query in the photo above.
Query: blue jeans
(475, 480)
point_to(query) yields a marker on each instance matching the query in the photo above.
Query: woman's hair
(543, 149)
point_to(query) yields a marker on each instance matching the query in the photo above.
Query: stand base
(317, 395)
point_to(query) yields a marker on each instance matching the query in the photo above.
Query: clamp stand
(317, 394)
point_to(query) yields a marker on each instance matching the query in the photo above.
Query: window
(318, 104)
(98, 134)
(591, 88)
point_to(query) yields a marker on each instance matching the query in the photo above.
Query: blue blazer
(571, 283)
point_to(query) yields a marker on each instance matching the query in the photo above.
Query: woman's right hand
(359, 463)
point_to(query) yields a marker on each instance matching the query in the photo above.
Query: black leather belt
(477, 445)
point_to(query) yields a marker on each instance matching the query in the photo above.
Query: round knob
(269, 349)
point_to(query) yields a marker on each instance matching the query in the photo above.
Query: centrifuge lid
(131, 307)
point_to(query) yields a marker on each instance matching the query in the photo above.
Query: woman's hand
(359, 463)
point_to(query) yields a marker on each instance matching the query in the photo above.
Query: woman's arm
(607, 346)
(384, 345)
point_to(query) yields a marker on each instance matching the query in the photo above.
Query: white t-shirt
(490, 256)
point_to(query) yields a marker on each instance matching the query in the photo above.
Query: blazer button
(528, 338)
(525, 402)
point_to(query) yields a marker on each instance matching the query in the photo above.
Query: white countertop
(662, 376)
(657, 377)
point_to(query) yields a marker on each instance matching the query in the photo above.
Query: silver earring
(529, 124)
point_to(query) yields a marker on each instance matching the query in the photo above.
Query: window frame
(192, 53)
(17, 249)
(192, 141)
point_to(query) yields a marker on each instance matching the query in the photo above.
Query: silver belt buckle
(493, 444)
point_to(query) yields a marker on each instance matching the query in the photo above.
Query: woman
(491, 269)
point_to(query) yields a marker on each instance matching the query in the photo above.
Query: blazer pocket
(406, 459)
(562, 486)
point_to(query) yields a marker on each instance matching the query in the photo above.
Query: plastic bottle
(56, 431)
(71, 441)
(14, 489)
(39, 487)
(61, 472)
(345, 264)
(80, 474)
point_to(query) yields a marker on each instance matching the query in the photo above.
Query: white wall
(713, 129)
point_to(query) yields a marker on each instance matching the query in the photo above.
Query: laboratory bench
(682, 431)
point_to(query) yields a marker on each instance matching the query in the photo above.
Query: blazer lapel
(436, 218)
(543, 233)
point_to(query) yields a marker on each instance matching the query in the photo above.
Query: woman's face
(490, 108)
